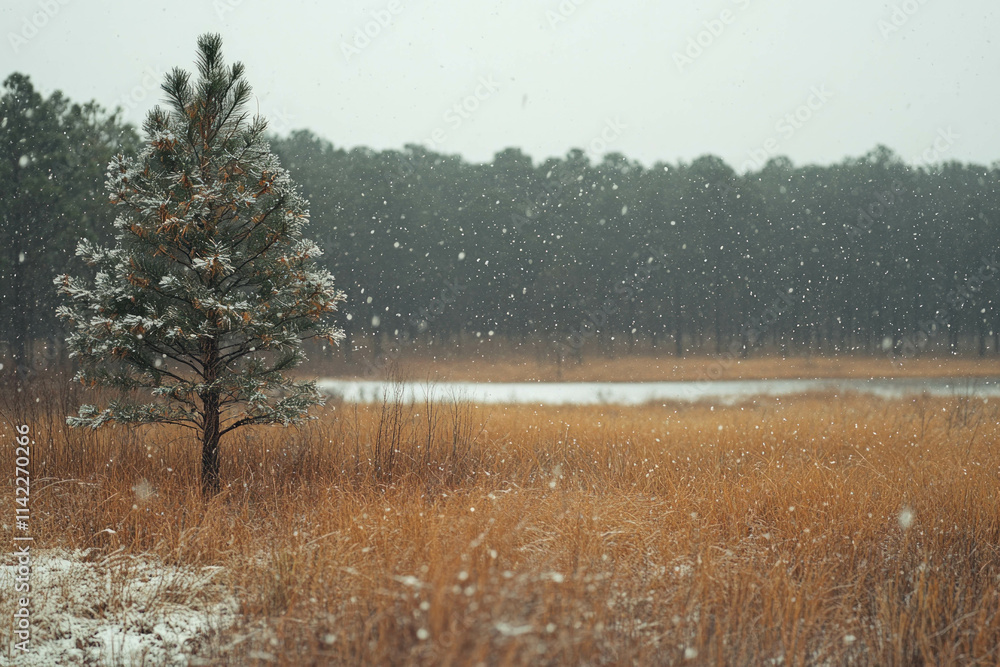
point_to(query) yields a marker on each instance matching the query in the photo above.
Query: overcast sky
(741, 79)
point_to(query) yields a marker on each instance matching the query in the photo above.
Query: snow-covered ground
(115, 610)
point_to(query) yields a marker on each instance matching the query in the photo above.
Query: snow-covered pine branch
(210, 290)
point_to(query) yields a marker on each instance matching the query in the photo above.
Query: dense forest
(579, 252)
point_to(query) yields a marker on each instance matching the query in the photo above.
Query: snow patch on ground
(115, 610)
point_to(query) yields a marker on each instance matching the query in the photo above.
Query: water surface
(636, 393)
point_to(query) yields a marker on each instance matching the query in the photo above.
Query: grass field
(501, 365)
(806, 531)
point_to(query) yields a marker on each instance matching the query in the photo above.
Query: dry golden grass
(501, 362)
(806, 531)
(648, 368)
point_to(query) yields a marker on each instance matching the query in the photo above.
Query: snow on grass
(116, 610)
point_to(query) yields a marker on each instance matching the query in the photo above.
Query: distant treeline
(867, 254)
(870, 253)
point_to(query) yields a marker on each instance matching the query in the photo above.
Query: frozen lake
(635, 393)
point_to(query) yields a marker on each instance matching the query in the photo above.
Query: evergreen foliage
(210, 289)
(52, 157)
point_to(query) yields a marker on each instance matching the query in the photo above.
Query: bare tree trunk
(718, 324)
(678, 325)
(16, 303)
(210, 445)
(348, 344)
(210, 421)
(18, 332)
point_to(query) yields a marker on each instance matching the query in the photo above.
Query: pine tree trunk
(210, 445)
(210, 425)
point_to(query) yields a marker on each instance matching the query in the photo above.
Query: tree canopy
(210, 289)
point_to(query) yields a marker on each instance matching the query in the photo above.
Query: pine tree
(210, 289)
